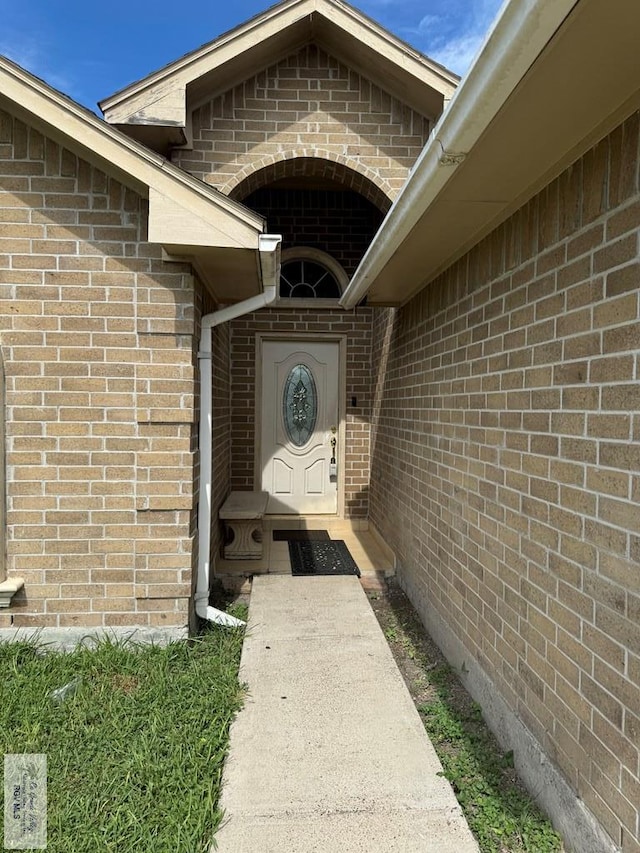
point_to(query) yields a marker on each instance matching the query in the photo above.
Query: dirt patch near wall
(502, 814)
(413, 649)
(425, 669)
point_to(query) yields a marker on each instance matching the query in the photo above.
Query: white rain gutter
(520, 33)
(269, 250)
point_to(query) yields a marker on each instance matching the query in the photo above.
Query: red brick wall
(506, 467)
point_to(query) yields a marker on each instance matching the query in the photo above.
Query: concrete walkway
(329, 754)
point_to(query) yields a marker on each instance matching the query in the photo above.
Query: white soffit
(515, 123)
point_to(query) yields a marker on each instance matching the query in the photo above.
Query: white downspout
(269, 249)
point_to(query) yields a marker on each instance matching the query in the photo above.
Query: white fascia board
(139, 167)
(69, 120)
(520, 33)
(162, 95)
(174, 223)
(402, 54)
(120, 106)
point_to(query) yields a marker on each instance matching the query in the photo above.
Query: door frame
(302, 338)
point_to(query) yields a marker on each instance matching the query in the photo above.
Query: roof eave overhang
(162, 98)
(186, 217)
(555, 76)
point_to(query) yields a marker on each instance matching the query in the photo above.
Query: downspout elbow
(218, 617)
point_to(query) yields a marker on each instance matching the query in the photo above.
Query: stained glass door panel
(299, 405)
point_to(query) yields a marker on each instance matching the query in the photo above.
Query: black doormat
(301, 535)
(321, 558)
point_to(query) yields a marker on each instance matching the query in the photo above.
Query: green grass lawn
(135, 754)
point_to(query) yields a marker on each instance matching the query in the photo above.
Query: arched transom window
(309, 274)
(305, 279)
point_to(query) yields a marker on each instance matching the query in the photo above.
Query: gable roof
(186, 216)
(344, 32)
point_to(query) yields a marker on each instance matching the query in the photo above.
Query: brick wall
(98, 347)
(308, 105)
(221, 431)
(506, 468)
(340, 223)
(356, 326)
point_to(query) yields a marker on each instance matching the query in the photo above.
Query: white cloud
(31, 54)
(458, 53)
(453, 33)
(428, 23)
(36, 56)
(25, 55)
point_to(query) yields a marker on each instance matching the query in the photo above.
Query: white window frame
(308, 253)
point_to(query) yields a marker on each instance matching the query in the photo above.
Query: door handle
(333, 467)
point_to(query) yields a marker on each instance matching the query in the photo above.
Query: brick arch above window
(317, 164)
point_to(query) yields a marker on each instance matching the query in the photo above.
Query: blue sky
(90, 50)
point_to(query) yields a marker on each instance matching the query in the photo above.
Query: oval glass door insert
(299, 405)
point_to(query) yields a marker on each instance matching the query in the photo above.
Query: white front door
(300, 381)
